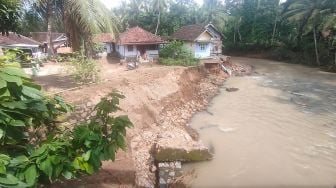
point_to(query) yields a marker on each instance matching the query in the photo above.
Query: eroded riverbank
(278, 129)
(159, 101)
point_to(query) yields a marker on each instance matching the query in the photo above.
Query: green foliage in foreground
(174, 53)
(35, 149)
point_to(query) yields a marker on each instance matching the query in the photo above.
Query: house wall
(189, 46)
(123, 52)
(152, 53)
(108, 47)
(216, 40)
(202, 52)
(205, 36)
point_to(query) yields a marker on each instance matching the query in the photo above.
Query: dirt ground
(160, 100)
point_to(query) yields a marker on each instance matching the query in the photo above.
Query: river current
(277, 130)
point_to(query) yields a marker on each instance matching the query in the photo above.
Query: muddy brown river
(277, 130)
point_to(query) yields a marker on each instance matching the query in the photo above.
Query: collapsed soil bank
(159, 101)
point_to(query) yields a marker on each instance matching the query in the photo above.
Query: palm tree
(275, 21)
(49, 27)
(159, 6)
(309, 14)
(81, 19)
(214, 12)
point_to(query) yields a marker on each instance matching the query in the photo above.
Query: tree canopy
(296, 30)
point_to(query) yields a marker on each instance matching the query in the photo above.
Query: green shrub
(35, 149)
(83, 69)
(174, 53)
(97, 48)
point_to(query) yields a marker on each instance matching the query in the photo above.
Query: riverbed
(277, 130)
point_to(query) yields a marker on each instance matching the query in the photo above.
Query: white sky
(114, 3)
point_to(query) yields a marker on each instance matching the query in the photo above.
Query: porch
(143, 50)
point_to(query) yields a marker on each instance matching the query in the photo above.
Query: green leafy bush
(174, 53)
(97, 48)
(35, 148)
(83, 69)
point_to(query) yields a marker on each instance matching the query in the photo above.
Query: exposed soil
(160, 101)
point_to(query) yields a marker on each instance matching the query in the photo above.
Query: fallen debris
(231, 89)
(179, 146)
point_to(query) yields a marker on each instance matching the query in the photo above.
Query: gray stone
(178, 145)
(182, 154)
(172, 173)
(178, 165)
(162, 181)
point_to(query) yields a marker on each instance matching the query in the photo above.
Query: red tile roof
(14, 38)
(189, 32)
(104, 37)
(137, 35)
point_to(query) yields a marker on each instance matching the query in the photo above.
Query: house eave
(141, 43)
(22, 46)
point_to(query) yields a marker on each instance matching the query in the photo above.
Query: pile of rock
(168, 172)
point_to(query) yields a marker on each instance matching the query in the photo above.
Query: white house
(108, 40)
(202, 40)
(16, 41)
(137, 41)
(59, 40)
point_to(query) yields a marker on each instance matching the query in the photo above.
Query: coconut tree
(309, 14)
(80, 19)
(83, 18)
(159, 5)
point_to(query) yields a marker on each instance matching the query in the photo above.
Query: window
(130, 48)
(202, 46)
(152, 47)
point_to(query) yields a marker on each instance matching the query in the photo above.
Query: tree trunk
(234, 33)
(274, 29)
(158, 23)
(237, 29)
(50, 49)
(88, 46)
(302, 26)
(335, 60)
(275, 23)
(316, 50)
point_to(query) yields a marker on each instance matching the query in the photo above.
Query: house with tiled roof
(202, 40)
(17, 41)
(137, 41)
(58, 39)
(107, 39)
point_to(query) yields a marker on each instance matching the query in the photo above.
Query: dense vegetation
(174, 53)
(301, 31)
(35, 148)
(80, 19)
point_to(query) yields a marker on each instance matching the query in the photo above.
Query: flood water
(277, 130)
